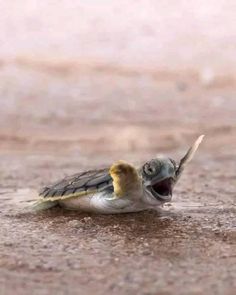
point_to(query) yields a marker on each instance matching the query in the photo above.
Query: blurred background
(85, 83)
(118, 76)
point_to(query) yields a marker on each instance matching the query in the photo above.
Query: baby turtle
(118, 189)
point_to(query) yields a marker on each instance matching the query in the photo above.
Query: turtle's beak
(188, 157)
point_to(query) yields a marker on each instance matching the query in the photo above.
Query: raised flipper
(188, 157)
(126, 180)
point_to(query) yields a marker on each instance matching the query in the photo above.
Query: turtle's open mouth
(162, 189)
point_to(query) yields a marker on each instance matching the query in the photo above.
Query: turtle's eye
(148, 169)
(151, 168)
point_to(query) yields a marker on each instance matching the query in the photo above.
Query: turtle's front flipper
(188, 157)
(126, 181)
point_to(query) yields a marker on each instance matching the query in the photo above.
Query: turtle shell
(76, 185)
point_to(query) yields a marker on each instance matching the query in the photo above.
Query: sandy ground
(83, 84)
(55, 122)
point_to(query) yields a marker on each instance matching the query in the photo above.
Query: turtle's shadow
(128, 226)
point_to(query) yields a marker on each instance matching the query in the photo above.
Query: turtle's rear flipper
(40, 206)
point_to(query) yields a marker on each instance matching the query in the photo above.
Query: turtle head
(159, 175)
